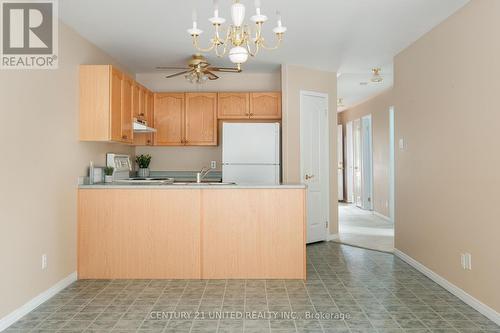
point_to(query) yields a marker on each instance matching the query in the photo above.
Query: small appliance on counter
(251, 153)
(122, 168)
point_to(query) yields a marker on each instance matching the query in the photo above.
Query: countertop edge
(192, 187)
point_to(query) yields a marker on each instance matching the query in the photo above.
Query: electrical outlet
(213, 164)
(466, 261)
(44, 261)
(402, 143)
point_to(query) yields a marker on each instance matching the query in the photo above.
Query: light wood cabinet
(139, 234)
(265, 105)
(169, 119)
(233, 105)
(185, 119)
(105, 104)
(200, 120)
(255, 105)
(251, 234)
(139, 102)
(191, 233)
(146, 139)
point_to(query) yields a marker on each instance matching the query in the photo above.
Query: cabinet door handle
(124, 137)
(251, 114)
(309, 177)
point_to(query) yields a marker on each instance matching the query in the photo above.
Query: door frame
(367, 204)
(349, 162)
(326, 150)
(392, 151)
(340, 163)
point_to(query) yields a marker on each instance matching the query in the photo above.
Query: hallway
(363, 228)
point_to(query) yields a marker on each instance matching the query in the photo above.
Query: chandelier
(239, 40)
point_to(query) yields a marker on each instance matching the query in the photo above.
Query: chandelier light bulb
(238, 55)
(258, 17)
(279, 28)
(237, 14)
(194, 31)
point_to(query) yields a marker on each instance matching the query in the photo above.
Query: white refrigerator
(251, 153)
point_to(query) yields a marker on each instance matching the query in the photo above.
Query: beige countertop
(191, 186)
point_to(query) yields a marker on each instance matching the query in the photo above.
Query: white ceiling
(348, 36)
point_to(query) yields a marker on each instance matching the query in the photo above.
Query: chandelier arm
(197, 46)
(278, 43)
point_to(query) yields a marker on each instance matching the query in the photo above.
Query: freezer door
(250, 143)
(251, 174)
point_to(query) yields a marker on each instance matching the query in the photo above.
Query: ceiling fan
(199, 70)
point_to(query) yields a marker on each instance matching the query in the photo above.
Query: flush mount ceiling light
(376, 77)
(340, 102)
(239, 42)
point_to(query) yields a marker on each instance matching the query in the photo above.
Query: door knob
(309, 177)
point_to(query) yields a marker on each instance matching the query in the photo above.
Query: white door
(340, 162)
(358, 195)
(367, 162)
(314, 162)
(349, 163)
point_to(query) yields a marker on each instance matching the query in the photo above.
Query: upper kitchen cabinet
(233, 105)
(169, 119)
(146, 139)
(201, 119)
(105, 104)
(265, 105)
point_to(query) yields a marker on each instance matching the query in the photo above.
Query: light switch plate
(213, 164)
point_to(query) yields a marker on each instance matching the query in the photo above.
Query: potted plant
(143, 161)
(108, 174)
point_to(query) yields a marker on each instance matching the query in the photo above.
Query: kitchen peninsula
(193, 231)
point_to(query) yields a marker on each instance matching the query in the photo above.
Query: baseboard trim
(382, 216)
(17, 314)
(332, 237)
(460, 293)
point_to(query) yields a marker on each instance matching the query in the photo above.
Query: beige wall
(447, 180)
(194, 158)
(378, 107)
(294, 79)
(41, 161)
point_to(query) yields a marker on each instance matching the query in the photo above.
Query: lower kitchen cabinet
(136, 234)
(191, 233)
(253, 234)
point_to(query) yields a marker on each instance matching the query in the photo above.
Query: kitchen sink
(203, 183)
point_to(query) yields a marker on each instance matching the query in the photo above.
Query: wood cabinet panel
(105, 104)
(233, 105)
(265, 105)
(127, 133)
(135, 234)
(146, 139)
(95, 102)
(116, 104)
(169, 119)
(249, 233)
(201, 119)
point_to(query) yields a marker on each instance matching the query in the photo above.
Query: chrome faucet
(202, 174)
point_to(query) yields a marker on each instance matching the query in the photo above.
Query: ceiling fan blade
(178, 74)
(171, 68)
(224, 69)
(211, 76)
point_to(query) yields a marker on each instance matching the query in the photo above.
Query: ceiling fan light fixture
(376, 78)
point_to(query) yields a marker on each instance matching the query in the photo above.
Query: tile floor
(376, 291)
(359, 227)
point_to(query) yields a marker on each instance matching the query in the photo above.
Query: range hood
(142, 128)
